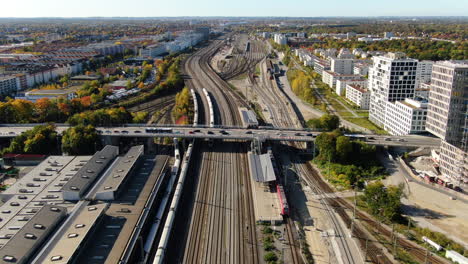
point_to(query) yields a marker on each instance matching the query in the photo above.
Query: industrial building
(80, 194)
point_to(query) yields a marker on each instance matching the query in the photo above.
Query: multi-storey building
(153, 51)
(448, 117)
(391, 78)
(331, 78)
(281, 39)
(361, 69)
(423, 72)
(358, 95)
(340, 87)
(342, 66)
(8, 85)
(321, 65)
(406, 117)
(345, 54)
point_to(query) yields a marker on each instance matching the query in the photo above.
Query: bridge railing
(171, 125)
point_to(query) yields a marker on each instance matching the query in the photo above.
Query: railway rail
(222, 229)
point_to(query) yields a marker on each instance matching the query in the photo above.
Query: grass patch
(366, 123)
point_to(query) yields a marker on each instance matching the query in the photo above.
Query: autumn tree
(41, 139)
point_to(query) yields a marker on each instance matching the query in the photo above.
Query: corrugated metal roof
(261, 168)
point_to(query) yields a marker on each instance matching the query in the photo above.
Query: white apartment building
(340, 88)
(358, 95)
(280, 39)
(423, 90)
(8, 85)
(448, 117)
(345, 54)
(361, 69)
(305, 57)
(423, 72)
(391, 78)
(330, 78)
(406, 117)
(265, 35)
(153, 51)
(321, 65)
(342, 66)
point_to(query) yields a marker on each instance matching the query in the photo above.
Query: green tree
(326, 144)
(41, 139)
(80, 140)
(383, 202)
(344, 148)
(330, 122)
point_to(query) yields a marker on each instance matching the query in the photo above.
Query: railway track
(243, 61)
(222, 229)
(283, 116)
(152, 106)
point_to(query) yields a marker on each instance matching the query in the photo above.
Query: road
(237, 133)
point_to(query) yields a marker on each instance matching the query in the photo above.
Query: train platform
(266, 202)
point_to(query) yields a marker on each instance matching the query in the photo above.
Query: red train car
(282, 198)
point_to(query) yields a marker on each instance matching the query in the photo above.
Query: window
(56, 258)
(9, 258)
(30, 236)
(72, 235)
(39, 226)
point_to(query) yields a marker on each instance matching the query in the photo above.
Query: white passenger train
(210, 106)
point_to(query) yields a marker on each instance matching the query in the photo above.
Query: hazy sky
(305, 8)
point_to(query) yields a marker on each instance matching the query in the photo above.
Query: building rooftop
(416, 103)
(119, 174)
(261, 167)
(79, 183)
(52, 92)
(125, 215)
(35, 190)
(75, 235)
(453, 63)
(22, 245)
(359, 88)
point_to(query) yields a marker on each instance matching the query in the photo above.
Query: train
(195, 108)
(158, 130)
(210, 105)
(284, 207)
(270, 69)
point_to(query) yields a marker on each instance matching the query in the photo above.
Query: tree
(384, 202)
(344, 147)
(326, 144)
(80, 140)
(330, 122)
(41, 139)
(326, 122)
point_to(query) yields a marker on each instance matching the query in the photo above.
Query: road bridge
(231, 133)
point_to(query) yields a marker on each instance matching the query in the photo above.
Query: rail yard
(226, 183)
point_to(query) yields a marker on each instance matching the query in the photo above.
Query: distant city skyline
(175, 8)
